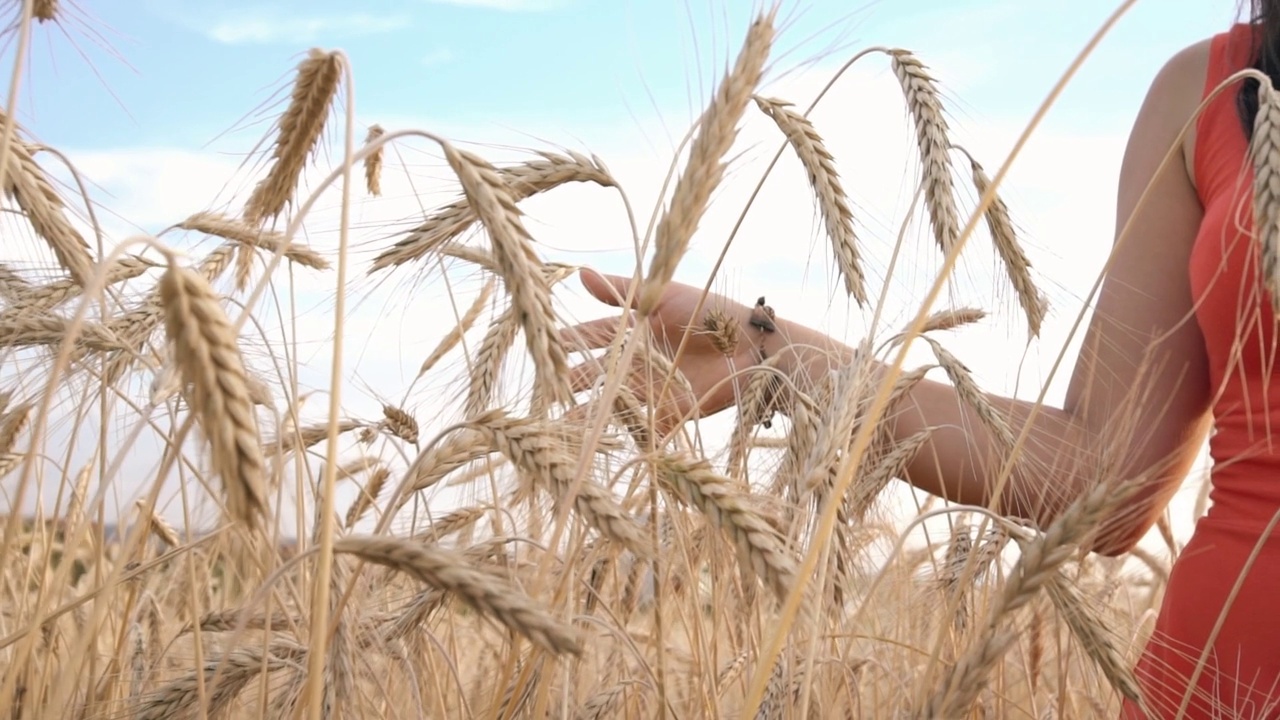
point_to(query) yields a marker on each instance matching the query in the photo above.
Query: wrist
(799, 359)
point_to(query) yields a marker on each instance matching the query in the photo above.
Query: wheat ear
(717, 130)
(211, 223)
(44, 10)
(521, 270)
(1094, 636)
(1015, 261)
(1264, 152)
(1040, 559)
(820, 165)
(208, 356)
(534, 448)
(925, 106)
(465, 323)
(25, 181)
(299, 130)
(453, 573)
(373, 162)
(757, 543)
(523, 181)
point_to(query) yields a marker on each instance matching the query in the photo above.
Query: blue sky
(180, 72)
(158, 102)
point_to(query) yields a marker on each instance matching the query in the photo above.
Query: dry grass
(583, 569)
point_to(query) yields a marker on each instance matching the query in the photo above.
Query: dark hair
(1264, 15)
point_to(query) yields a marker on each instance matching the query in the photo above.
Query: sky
(165, 106)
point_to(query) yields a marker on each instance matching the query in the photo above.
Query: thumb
(608, 289)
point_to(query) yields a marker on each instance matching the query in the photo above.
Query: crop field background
(297, 454)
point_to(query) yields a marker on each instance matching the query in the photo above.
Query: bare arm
(1139, 395)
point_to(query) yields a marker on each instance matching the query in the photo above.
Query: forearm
(962, 460)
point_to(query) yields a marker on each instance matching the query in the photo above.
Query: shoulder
(1173, 99)
(1179, 85)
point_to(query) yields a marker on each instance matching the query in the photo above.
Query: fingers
(595, 334)
(608, 289)
(584, 375)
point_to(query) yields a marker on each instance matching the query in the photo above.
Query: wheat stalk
(211, 223)
(452, 573)
(925, 105)
(299, 130)
(25, 181)
(717, 130)
(1264, 152)
(373, 161)
(520, 269)
(820, 165)
(757, 543)
(1015, 261)
(208, 356)
(523, 181)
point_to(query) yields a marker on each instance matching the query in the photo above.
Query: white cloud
(262, 28)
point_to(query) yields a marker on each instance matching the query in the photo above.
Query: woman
(1182, 340)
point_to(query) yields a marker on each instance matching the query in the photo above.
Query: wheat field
(595, 562)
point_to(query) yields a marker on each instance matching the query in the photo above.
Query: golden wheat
(299, 129)
(208, 357)
(373, 162)
(717, 129)
(925, 106)
(522, 181)
(1264, 151)
(485, 592)
(820, 165)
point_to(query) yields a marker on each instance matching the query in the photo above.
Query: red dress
(1240, 677)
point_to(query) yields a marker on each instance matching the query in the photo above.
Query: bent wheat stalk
(820, 165)
(523, 181)
(483, 591)
(925, 106)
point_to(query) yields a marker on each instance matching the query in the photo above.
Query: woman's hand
(709, 357)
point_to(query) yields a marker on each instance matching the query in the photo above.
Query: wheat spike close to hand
(820, 165)
(521, 270)
(925, 106)
(717, 130)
